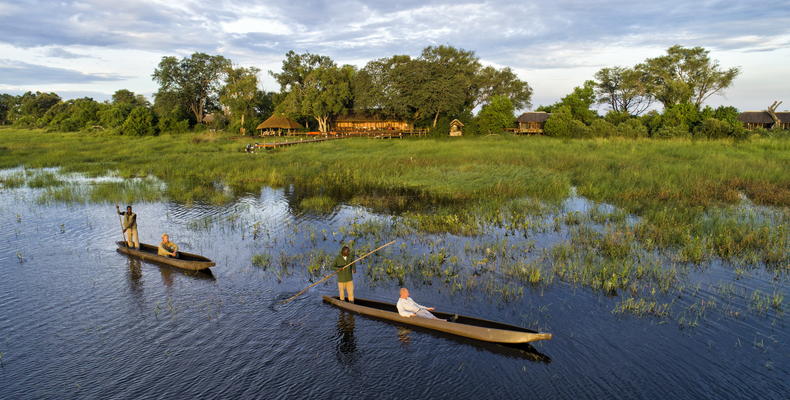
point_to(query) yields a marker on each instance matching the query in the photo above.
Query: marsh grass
(318, 204)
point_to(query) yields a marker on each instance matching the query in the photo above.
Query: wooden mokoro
(473, 328)
(184, 260)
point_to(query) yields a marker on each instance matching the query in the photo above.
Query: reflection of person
(345, 275)
(409, 308)
(167, 248)
(347, 346)
(129, 226)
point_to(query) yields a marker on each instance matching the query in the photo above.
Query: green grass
(318, 204)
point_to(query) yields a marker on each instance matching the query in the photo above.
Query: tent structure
(277, 125)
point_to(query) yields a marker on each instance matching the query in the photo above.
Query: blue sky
(93, 47)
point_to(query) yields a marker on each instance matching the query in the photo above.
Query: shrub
(669, 131)
(496, 116)
(603, 128)
(632, 128)
(713, 128)
(139, 123)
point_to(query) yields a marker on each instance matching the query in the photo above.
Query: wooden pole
(120, 219)
(335, 273)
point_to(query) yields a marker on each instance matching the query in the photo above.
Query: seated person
(167, 248)
(409, 308)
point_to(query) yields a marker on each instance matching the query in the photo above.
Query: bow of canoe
(470, 327)
(192, 262)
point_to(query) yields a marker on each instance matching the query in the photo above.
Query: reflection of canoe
(147, 252)
(474, 328)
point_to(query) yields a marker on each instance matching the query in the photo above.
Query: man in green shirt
(345, 275)
(129, 226)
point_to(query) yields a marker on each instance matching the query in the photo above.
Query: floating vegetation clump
(318, 204)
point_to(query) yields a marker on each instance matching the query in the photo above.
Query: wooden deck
(251, 148)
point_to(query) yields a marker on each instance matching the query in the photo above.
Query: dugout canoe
(192, 262)
(460, 325)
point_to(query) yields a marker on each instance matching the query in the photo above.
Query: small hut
(762, 119)
(456, 128)
(532, 122)
(277, 125)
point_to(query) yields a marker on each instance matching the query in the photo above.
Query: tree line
(429, 90)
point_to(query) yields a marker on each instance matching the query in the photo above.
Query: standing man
(345, 275)
(129, 226)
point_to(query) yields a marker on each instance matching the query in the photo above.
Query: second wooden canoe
(192, 262)
(470, 327)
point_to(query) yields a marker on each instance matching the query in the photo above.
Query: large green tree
(623, 89)
(326, 92)
(194, 81)
(685, 75)
(239, 95)
(443, 81)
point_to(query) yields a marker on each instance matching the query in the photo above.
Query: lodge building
(761, 119)
(361, 122)
(532, 122)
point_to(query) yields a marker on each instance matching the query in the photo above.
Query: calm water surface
(79, 320)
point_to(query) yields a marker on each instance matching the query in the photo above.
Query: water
(79, 320)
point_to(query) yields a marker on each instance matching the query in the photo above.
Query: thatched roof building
(370, 122)
(532, 121)
(761, 119)
(276, 124)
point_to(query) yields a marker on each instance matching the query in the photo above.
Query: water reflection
(403, 335)
(135, 271)
(347, 345)
(167, 276)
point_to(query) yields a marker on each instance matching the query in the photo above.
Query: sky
(94, 47)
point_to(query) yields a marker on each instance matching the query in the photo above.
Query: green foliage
(139, 123)
(623, 89)
(443, 82)
(239, 94)
(617, 117)
(113, 116)
(632, 128)
(685, 75)
(171, 125)
(713, 128)
(192, 82)
(603, 128)
(496, 116)
(562, 124)
(578, 103)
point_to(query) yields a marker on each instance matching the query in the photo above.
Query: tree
(239, 94)
(124, 96)
(8, 105)
(139, 123)
(492, 82)
(193, 81)
(685, 75)
(578, 103)
(35, 105)
(447, 81)
(623, 89)
(496, 116)
(296, 67)
(326, 93)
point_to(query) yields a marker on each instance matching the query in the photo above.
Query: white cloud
(257, 25)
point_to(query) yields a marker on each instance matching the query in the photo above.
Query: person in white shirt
(409, 308)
